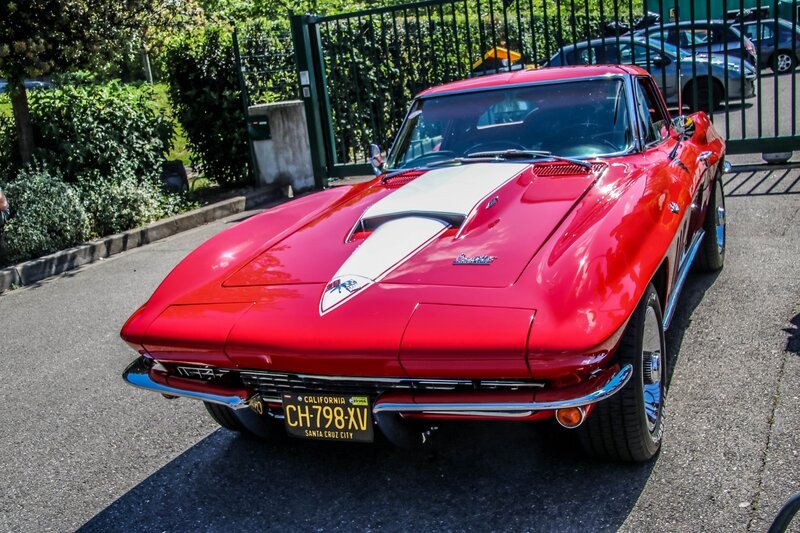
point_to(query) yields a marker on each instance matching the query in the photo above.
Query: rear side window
(750, 30)
(583, 56)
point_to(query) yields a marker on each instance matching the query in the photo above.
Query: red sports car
(517, 257)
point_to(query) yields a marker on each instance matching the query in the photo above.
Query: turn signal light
(571, 417)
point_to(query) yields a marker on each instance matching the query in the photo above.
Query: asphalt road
(78, 449)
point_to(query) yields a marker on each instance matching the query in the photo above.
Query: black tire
(245, 421)
(619, 428)
(711, 256)
(783, 61)
(708, 98)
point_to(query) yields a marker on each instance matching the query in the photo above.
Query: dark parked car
(777, 43)
(29, 84)
(703, 86)
(715, 36)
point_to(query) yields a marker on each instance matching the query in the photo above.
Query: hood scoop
(448, 194)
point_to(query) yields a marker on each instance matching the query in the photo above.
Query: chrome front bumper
(138, 375)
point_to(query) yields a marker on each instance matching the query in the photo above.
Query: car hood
(472, 225)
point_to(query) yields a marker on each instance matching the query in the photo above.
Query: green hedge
(205, 95)
(95, 128)
(100, 149)
(47, 215)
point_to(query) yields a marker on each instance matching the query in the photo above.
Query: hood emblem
(462, 259)
(341, 289)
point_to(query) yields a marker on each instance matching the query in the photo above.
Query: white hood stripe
(407, 220)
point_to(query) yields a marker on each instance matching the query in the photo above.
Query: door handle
(705, 156)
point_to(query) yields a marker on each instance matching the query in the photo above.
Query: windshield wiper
(398, 171)
(526, 154)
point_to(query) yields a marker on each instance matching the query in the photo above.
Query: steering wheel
(418, 161)
(600, 137)
(492, 146)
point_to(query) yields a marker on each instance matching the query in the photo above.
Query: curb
(36, 270)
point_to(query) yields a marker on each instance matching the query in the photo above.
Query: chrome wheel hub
(720, 219)
(784, 62)
(652, 370)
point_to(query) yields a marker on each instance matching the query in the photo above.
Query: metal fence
(360, 71)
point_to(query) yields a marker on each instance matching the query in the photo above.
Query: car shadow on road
(693, 293)
(793, 342)
(487, 476)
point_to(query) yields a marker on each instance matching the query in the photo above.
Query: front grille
(201, 372)
(272, 384)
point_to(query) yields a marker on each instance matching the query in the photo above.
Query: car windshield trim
(622, 76)
(510, 86)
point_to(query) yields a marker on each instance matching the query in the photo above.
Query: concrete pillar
(284, 158)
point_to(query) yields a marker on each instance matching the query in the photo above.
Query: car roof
(531, 75)
(685, 23)
(626, 39)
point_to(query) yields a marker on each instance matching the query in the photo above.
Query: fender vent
(545, 170)
(401, 178)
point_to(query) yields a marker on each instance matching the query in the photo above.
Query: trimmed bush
(94, 129)
(204, 90)
(120, 201)
(46, 216)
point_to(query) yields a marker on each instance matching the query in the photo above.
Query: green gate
(359, 71)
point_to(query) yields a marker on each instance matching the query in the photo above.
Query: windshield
(670, 49)
(583, 118)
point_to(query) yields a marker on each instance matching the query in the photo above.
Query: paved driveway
(80, 449)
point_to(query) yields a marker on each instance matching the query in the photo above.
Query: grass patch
(180, 150)
(5, 105)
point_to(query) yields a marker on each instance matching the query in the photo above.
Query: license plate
(328, 417)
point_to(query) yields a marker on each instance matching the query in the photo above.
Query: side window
(652, 117)
(583, 56)
(767, 31)
(427, 137)
(750, 31)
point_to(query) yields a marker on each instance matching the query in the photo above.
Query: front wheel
(245, 421)
(712, 250)
(783, 61)
(703, 95)
(629, 425)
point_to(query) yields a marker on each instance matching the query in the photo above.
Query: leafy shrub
(80, 129)
(8, 139)
(205, 94)
(47, 216)
(120, 201)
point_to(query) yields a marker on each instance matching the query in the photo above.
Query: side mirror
(661, 61)
(682, 128)
(375, 159)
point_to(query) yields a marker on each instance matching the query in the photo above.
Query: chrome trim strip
(494, 408)
(683, 271)
(138, 375)
(359, 379)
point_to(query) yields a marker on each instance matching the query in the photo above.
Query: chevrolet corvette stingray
(518, 256)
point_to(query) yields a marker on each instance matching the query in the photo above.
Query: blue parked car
(777, 43)
(705, 80)
(29, 84)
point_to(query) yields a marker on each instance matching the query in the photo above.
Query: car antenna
(678, 62)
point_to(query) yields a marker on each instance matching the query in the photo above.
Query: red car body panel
(574, 254)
